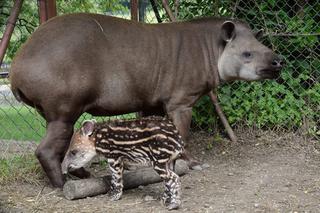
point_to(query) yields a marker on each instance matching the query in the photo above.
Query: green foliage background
(292, 29)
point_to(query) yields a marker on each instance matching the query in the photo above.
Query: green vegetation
(25, 168)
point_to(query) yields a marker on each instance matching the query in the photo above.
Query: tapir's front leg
(182, 119)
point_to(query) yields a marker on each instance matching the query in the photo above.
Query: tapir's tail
(17, 94)
(21, 97)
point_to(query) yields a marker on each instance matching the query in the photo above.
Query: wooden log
(76, 189)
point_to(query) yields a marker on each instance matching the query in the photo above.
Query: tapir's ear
(228, 31)
(259, 34)
(87, 127)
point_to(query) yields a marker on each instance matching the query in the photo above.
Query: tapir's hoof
(80, 173)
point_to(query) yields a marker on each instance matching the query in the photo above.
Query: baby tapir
(150, 140)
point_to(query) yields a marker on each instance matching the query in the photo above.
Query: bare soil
(263, 172)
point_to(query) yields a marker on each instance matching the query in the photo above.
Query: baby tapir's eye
(73, 152)
(247, 54)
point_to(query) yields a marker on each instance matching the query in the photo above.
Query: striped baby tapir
(151, 140)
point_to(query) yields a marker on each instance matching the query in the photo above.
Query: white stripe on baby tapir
(163, 160)
(137, 129)
(168, 132)
(173, 140)
(147, 149)
(141, 152)
(165, 150)
(131, 142)
(158, 168)
(156, 151)
(106, 151)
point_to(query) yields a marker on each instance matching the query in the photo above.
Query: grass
(23, 123)
(25, 168)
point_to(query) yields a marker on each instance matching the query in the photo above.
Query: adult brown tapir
(108, 66)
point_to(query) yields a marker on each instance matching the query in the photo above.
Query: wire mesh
(290, 103)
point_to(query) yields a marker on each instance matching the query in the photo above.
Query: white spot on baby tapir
(99, 135)
(116, 135)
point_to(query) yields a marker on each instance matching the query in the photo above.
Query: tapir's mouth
(67, 168)
(72, 167)
(269, 73)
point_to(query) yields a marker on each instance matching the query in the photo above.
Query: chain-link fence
(291, 102)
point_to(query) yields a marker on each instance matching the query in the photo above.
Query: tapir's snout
(277, 63)
(273, 68)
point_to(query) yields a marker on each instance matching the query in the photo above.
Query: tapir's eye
(73, 152)
(247, 54)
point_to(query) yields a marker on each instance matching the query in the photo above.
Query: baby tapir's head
(82, 148)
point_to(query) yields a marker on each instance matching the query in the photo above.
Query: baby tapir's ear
(87, 127)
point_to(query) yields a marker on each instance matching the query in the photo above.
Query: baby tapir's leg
(116, 167)
(172, 193)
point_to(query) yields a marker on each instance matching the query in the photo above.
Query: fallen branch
(168, 10)
(76, 189)
(222, 117)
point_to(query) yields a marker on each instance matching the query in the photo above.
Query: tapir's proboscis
(109, 66)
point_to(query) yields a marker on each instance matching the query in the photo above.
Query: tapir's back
(80, 57)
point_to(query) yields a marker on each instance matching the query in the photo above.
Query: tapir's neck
(190, 58)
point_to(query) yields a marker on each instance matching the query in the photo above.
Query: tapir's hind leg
(52, 148)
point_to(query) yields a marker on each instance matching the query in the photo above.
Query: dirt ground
(263, 172)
